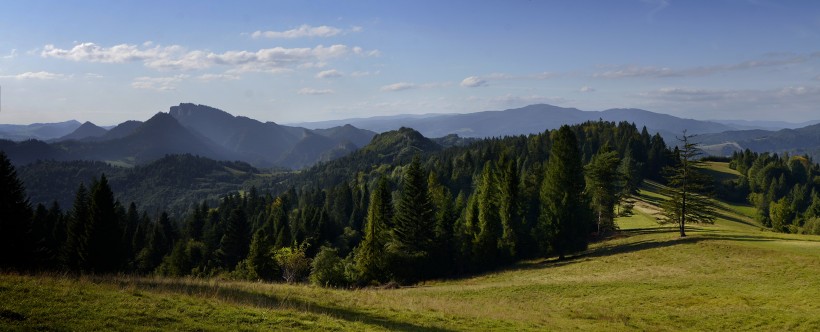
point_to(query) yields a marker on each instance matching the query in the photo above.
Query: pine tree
(16, 243)
(688, 189)
(565, 217)
(413, 234)
(370, 254)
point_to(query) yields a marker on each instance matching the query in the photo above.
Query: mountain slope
(267, 143)
(121, 130)
(86, 130)
(358, 137)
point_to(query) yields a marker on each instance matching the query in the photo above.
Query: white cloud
(93, 76)
(311, 91)
(399, 86)
(332, 73)
(586, 89)
(158, 83)
(300, 32)
(121, 53)
(40, 75)
(175, 57)
(473, 81)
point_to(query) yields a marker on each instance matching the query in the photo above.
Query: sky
(299, 61)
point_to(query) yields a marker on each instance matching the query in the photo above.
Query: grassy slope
(730, 275)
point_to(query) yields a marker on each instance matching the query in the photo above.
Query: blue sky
(293, 61)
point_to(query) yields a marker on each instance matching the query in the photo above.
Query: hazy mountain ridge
(804, 140)
(40, 131)
(198, 130)
(530, 119)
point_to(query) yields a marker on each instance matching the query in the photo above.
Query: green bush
(327, 269)
(812, 226)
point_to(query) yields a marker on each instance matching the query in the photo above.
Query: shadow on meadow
(695, 235)
(269, 301)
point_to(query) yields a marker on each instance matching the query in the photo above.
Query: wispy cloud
(158, 83)
(332, 73)
(175, 57)
(217, 77)
(39, 75)
(364, 73)
(660, 72)
(796, 101)
(409, 86)
(586, 89)
(12, 54)
(311, 91)
(473, 81)
(304, 31)
(476, 81)
(784, 94)
(399, 86)
(657, 7)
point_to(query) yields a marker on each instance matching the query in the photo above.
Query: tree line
(784, 190)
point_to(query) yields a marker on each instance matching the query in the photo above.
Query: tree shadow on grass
(273, 301)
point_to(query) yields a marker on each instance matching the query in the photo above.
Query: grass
(727, 276)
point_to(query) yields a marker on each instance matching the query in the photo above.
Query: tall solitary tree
(688, 189)
(565, 215)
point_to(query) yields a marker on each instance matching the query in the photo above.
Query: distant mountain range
(526, 120)
(216, 134)
(41, 131)
(801, 141)
(198, 130)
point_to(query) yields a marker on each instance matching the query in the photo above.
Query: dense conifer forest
(402, 209)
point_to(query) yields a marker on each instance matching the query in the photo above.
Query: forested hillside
(401, 209)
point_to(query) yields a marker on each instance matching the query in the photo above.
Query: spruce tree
(234, 244)
(74, 249)
(260, 261)
(370, 254)
(509, 204)
(413, 233)
(487, 238)
(103, 235)
(565, 216)
(16, 244)
(688, 189)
